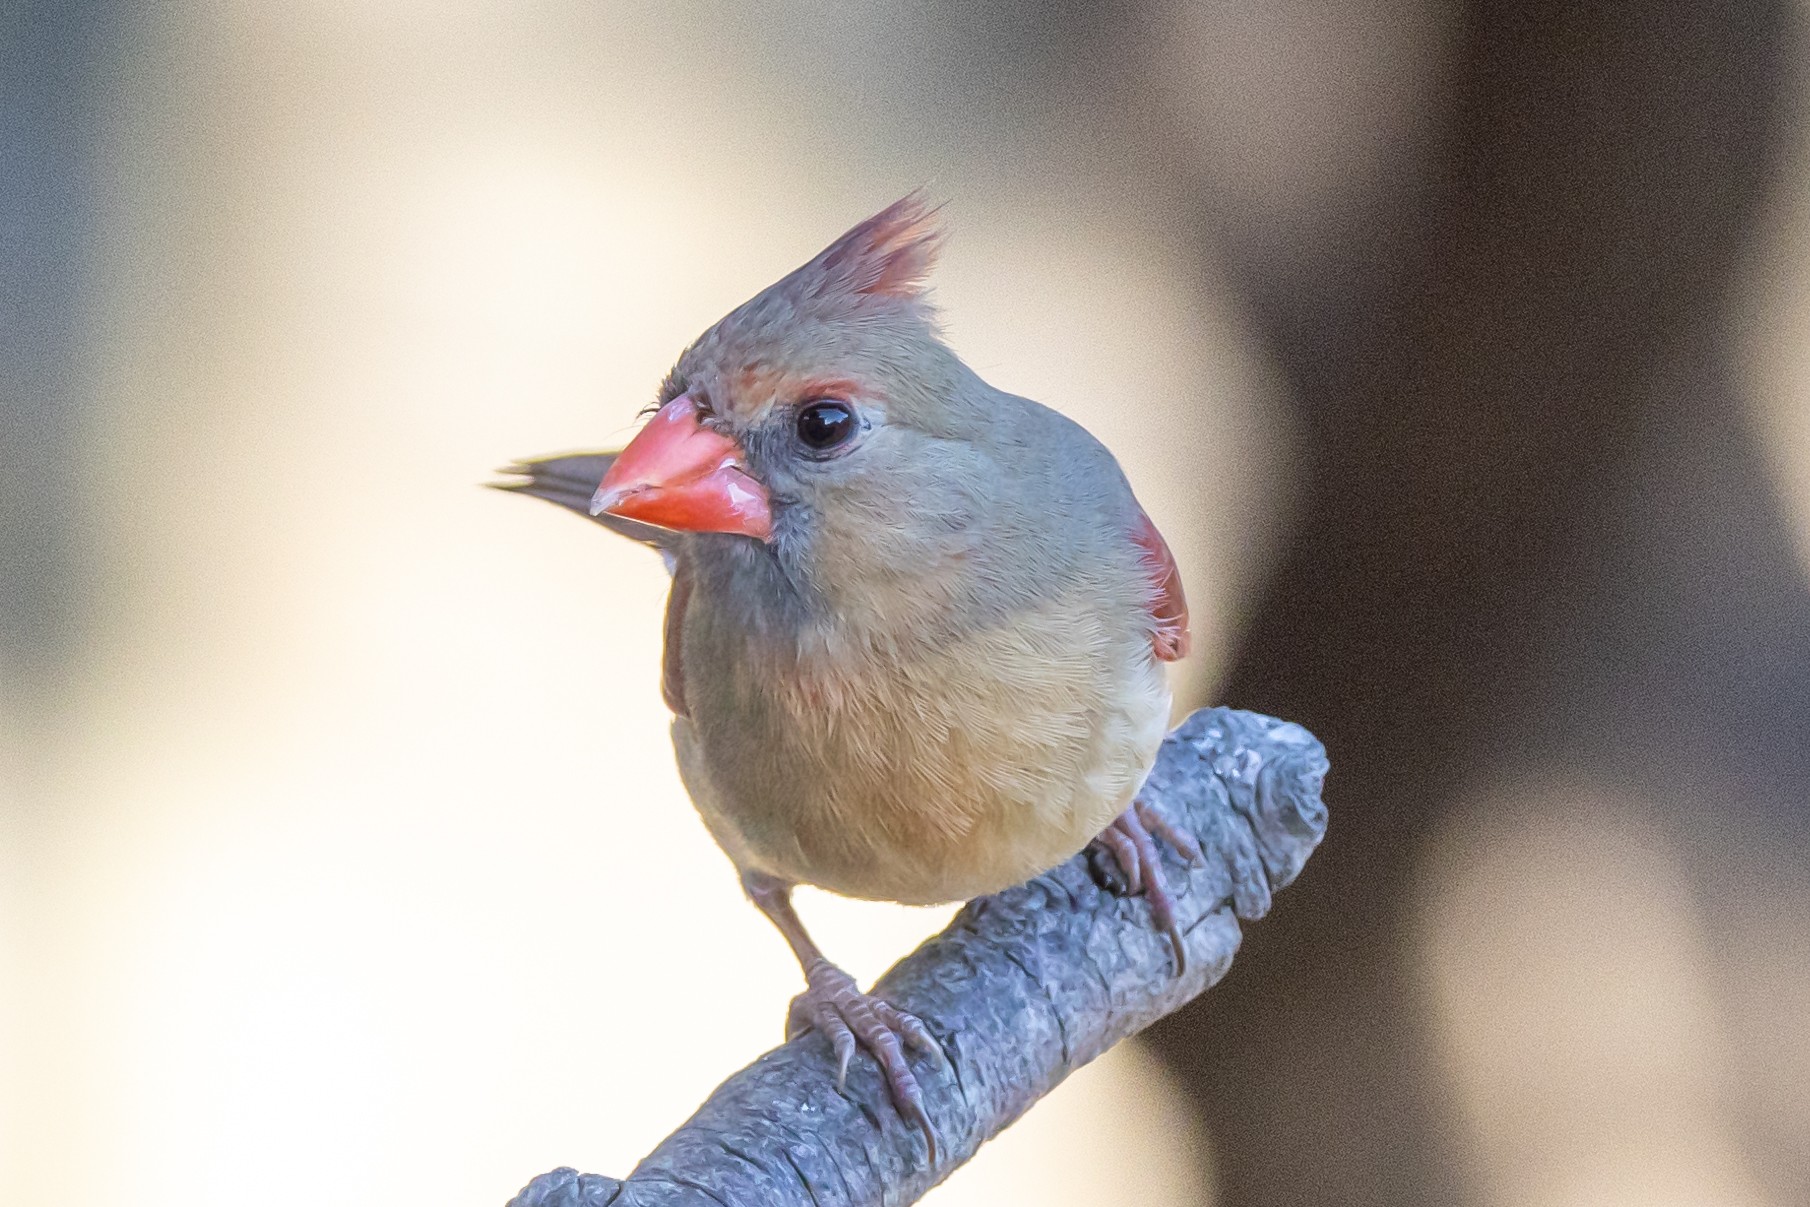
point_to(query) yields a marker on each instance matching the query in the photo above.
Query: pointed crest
(888, 255)
(866, 288)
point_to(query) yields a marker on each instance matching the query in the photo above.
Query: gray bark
(1023, 988)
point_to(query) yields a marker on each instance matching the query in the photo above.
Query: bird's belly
(909, 789)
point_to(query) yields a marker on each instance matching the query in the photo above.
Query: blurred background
(1460, 350)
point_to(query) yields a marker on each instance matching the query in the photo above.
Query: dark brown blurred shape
(1534, 526)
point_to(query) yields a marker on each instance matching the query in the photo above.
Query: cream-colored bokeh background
(359, 872)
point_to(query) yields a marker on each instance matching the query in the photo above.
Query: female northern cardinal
(914, 639)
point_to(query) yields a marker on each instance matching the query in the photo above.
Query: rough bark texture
(1022, 988)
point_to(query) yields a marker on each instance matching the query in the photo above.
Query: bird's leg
(1131, 841)
(835, 1007)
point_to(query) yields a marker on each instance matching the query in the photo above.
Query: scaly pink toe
(833, 1006)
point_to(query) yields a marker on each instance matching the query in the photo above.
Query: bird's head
(824, 417)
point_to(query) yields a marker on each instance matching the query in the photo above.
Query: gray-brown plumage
(914, 641)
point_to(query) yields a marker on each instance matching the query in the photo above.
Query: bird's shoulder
(1074, 475)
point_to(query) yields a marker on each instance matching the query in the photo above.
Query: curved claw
(1129, 841)
(917, 1035)
(848, 1018)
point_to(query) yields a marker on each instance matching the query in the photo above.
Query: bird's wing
(570, 479)
(1169, 611)
(672, 657)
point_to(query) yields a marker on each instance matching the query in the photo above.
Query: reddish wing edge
(1169, 611)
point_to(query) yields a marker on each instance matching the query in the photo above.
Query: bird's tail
(570, 479)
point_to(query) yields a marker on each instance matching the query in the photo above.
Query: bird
(915, 637)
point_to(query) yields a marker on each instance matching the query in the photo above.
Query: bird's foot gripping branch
(1024, 987)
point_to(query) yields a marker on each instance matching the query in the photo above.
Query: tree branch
(1023, 988)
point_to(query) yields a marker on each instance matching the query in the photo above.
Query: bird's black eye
(826, 424)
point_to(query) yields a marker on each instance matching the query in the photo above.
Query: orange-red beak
(676, 473)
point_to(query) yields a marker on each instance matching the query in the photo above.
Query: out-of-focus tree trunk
(1533, 521)
(48, 111)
